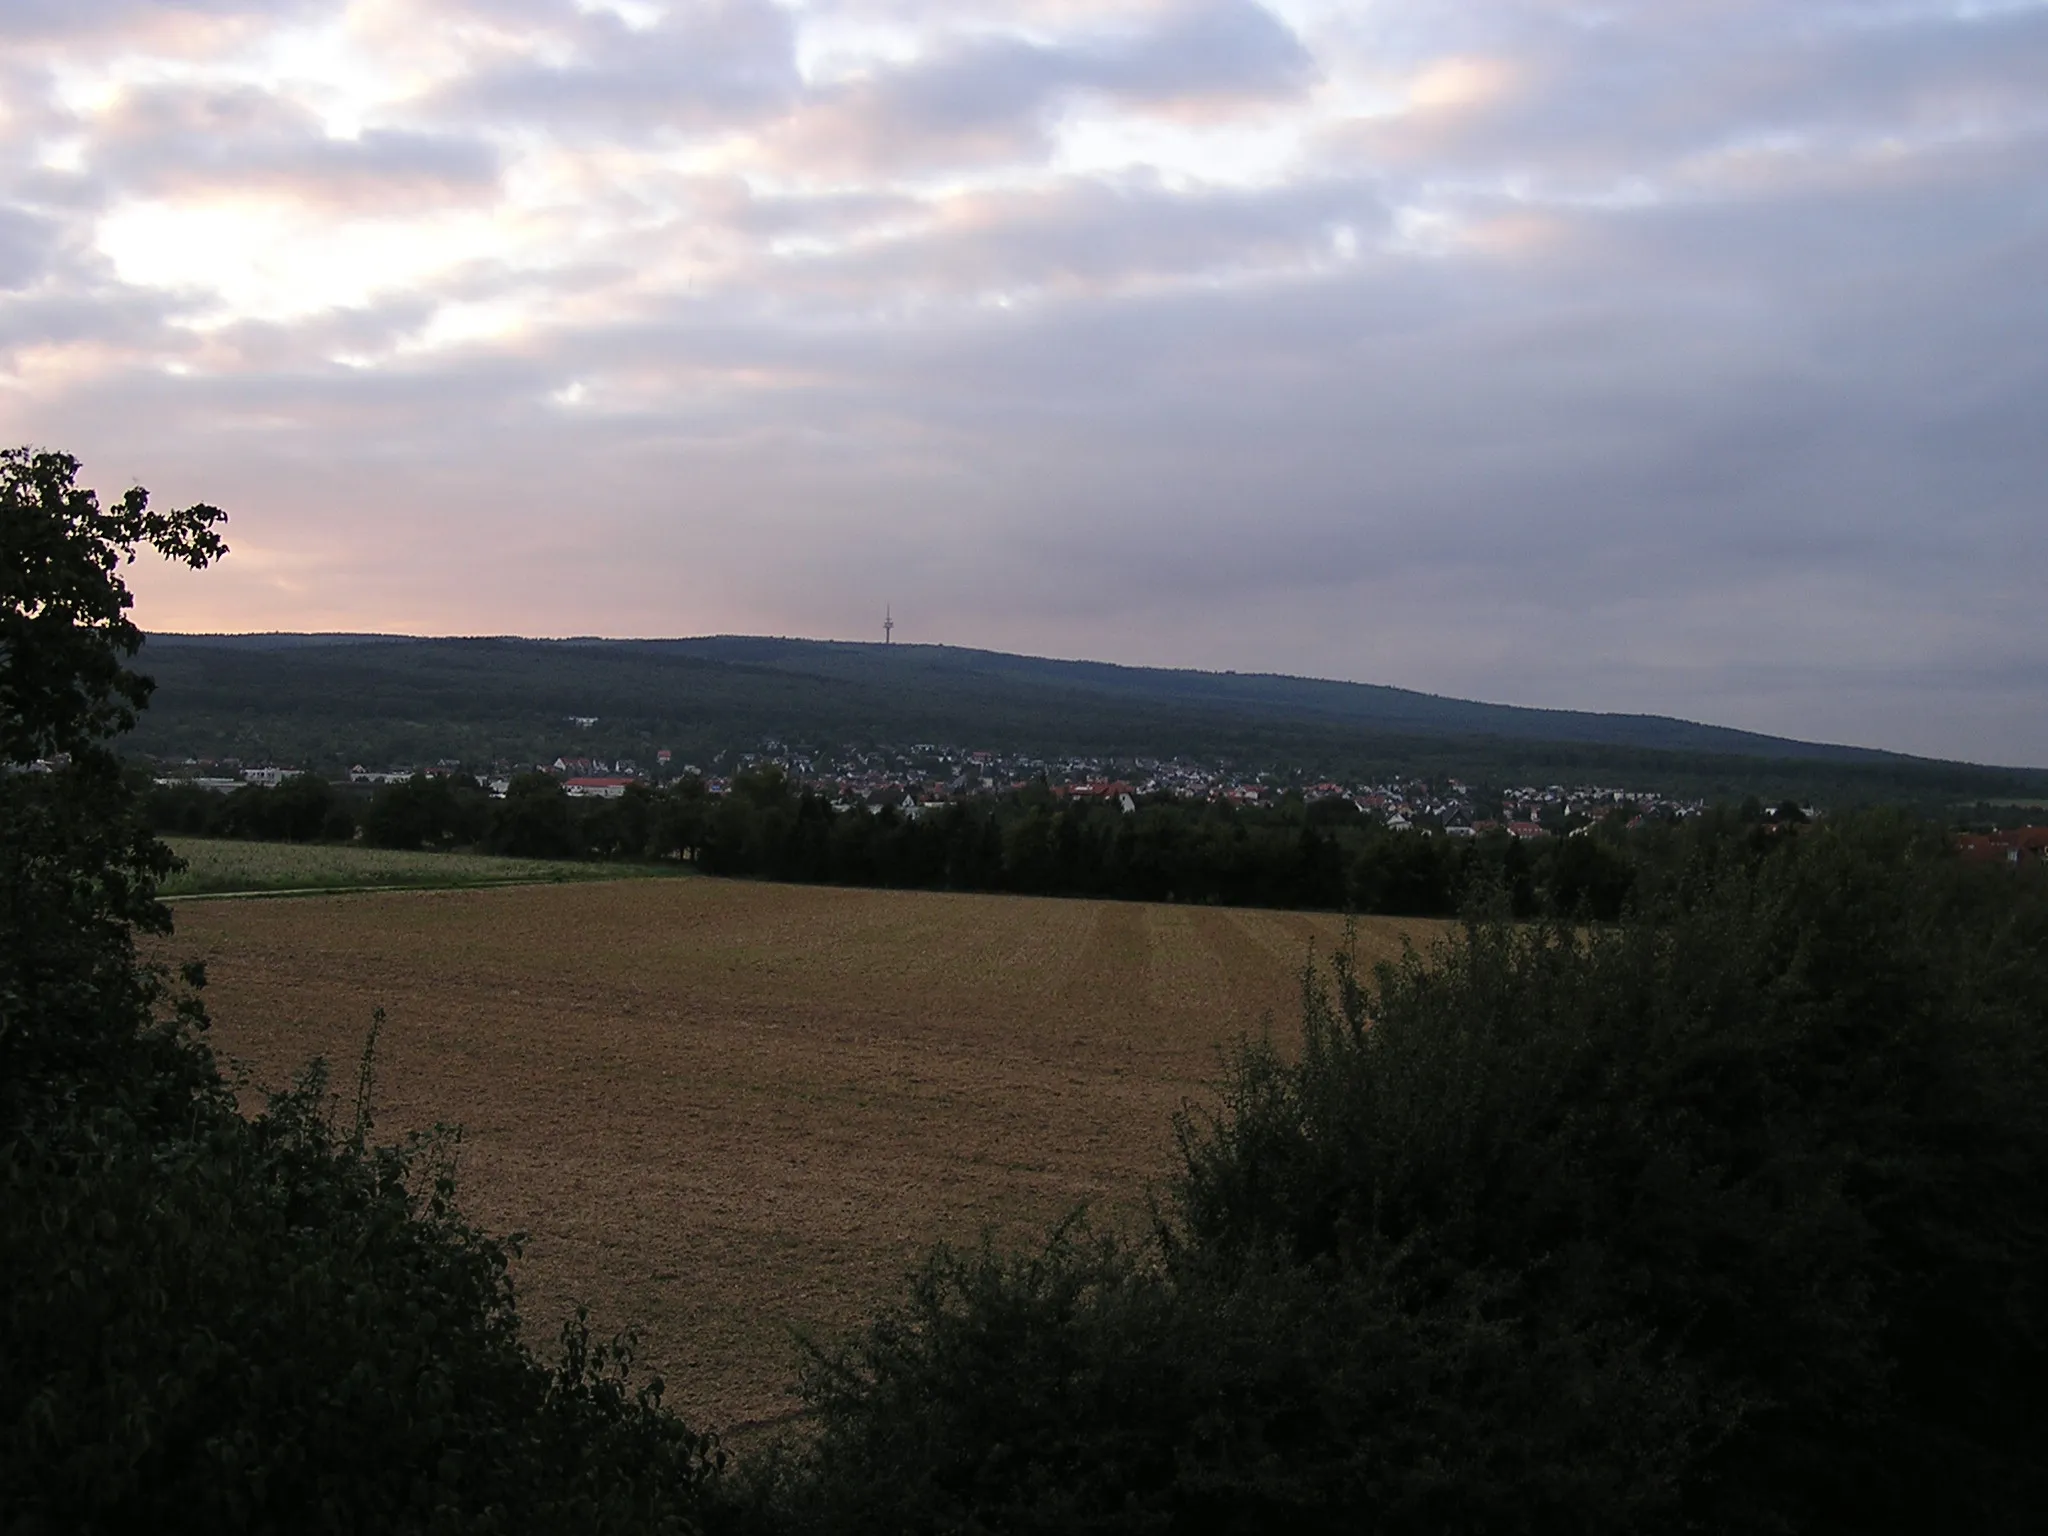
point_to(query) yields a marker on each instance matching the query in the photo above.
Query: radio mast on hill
(888, 625)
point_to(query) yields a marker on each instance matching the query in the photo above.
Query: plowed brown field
(723, 1110)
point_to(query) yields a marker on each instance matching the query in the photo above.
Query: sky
(1688, 358)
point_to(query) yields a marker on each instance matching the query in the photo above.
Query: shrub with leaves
(268, 1324)
(1727, 1217)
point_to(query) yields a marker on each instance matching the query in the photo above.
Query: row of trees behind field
(1325, 855)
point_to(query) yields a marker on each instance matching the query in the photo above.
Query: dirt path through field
(724, 1110)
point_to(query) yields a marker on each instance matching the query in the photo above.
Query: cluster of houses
(2011, 845)
(583, 777)
(915, 778)
(923, 775)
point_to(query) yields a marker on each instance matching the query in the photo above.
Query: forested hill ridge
(329, 700)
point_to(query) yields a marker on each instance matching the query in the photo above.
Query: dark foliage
(77, 865)
(1727, 1218)
(535, 820)
(1323, 855)
(428, 811)
(65, 688)
(1291, 855)
(266, 1325)
(303, 809)
(207, 1321)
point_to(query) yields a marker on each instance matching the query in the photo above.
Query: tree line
(1724, 1216)
(1326, 855)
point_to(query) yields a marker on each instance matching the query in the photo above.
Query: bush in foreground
(1727, 1218)
(268, 1325)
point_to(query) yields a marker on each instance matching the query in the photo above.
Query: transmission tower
(888, 626)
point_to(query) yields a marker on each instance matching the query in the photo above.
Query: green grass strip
(216, 868)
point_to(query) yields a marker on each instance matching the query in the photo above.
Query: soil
(730, 1113)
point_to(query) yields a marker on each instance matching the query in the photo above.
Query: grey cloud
(27, 244)
(1511, 429)
(1201, 49)
(825, 215)
(992, 98)
(135, 325)
(707, 62)
(1094, 235)
(1540, 441)
(69, 295)
(164, 138)
(1209, 47)
(1643, 88)
(984, 102)
(66, 20)
(1107, 234)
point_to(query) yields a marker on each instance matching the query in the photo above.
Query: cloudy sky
(1687, 357)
